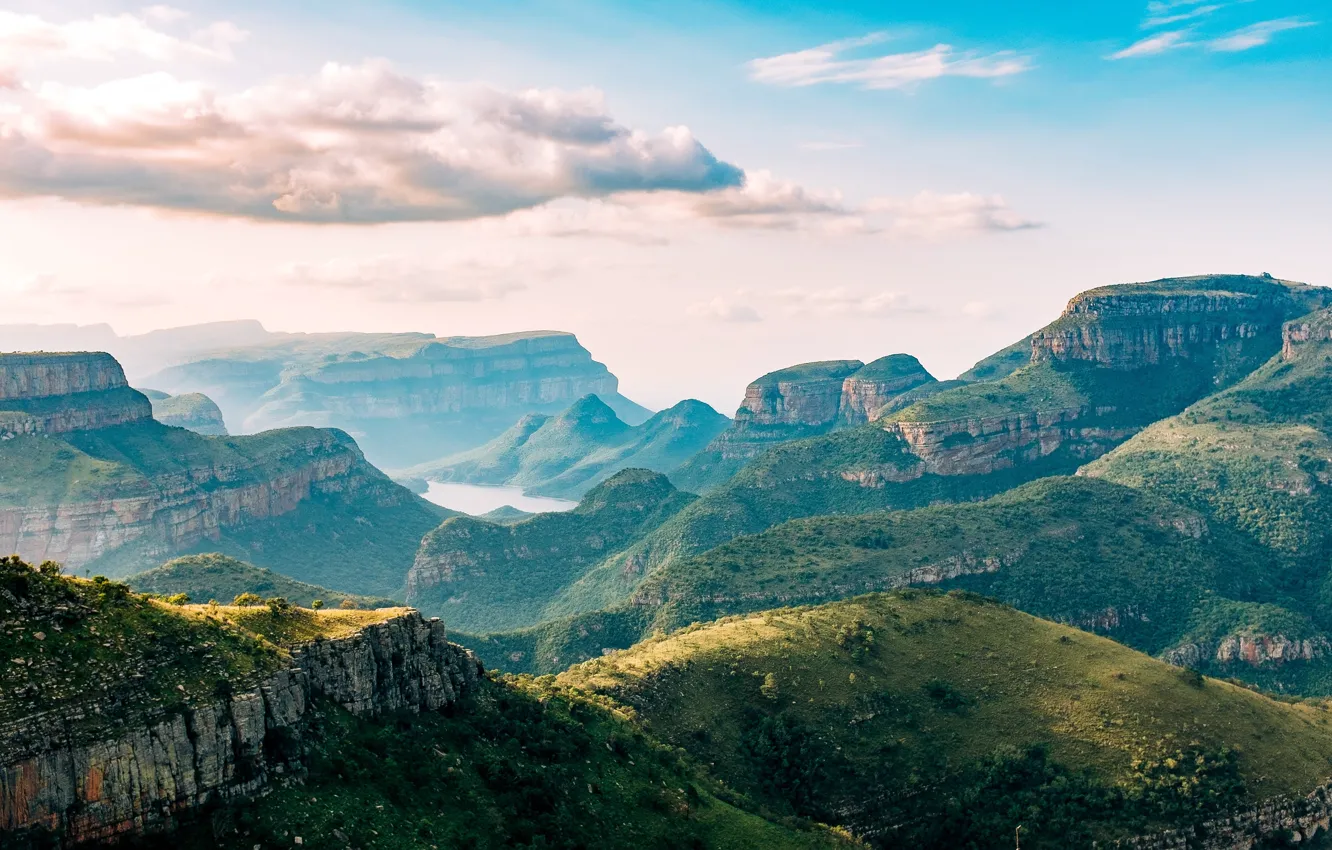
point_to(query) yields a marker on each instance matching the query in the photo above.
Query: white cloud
(396, 279)
(48, 289)
(724, 310)
(978, 309)
(840, 301)
(358, 144)
(1256, 35)
(823, 64)
(1154, 44)
(1160, 14)
(24, 38)
(933, 214)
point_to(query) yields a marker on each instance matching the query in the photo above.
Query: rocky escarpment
(82, 782)
(184, 493)
(194, 411)
(1252, 649)
(1289, 820)
(1186, 318)
(60, 393)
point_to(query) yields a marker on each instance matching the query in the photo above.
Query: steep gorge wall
(162, 768)
(184, 504)
(1297, 819)
(61, 393)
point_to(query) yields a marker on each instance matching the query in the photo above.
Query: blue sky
(937, 178)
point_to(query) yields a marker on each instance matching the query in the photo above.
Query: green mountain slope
(801, 401)
(566, 455)
(194, 411)
(122, 499)
(1120, 358)
(943, 721)
(218, 577)
(514, 764)
(484, 576)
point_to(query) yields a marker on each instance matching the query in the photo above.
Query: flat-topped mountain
(482, 576)
(804, 401)
(567, 454)
(945, 721)
(194, 411)
(406, 398)
(89, 478)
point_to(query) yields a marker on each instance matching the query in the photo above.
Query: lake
(477, 499)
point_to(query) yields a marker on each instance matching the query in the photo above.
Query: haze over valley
(415, 435)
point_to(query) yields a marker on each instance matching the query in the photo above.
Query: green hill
(122, 499)
(515, 764)
(940, 721)
(214, 576)
(1120, 358)
(484, 576)
(801, 401)
(195, 411)
(566, 455)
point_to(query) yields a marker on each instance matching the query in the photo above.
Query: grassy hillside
(566, 455)
(218, 577)
(360, 539)
(874, 468)
(194, 411)
(940, 721)
(484, 576)
(520, 764)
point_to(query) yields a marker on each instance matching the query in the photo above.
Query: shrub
(317, 604)
(349, 604)
(245, 600)
(178, 599)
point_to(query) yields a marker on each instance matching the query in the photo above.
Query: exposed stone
(60, 393)
(1252, 649)
(152, 772)
(1299, 819)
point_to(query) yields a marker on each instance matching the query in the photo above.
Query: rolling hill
(217, 577)
(918, 719)
(565, 455)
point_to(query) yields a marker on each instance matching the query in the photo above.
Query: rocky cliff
(83, 782)
(59, 393)
(194, 411)
(1283, 821)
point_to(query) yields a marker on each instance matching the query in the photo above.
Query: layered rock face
(61, 393)
(1125, 329)
(1252, 649)
(197, 496)
(86, 784)
(1290, 821)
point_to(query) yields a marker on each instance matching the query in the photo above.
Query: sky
(702, 192)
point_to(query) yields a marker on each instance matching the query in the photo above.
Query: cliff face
(1292, 821)
(60, 393)
(174, 507)
(86, 784)
(1252, 649)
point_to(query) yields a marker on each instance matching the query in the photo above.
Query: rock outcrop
(1254, 650)
(1290, 820)
(194, 411)
(60, 393)
(83, 782)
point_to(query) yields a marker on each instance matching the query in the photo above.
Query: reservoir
(477, 499)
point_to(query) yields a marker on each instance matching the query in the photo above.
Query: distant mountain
(1120, 358)
(194, 411)
(482, 576)
(88, 478)
(804, 401)
(406, 398)
(217, 577)
(943, 721)
(567, 454)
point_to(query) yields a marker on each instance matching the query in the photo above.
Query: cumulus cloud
(357, 144)
(826, 64)
(396, 279)
(934, 214)
(24, 38)
(721, 309)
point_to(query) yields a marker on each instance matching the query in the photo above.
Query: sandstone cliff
(90, 483)
(60, 393)
(84, 782)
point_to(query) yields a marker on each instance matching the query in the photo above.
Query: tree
(245, 600)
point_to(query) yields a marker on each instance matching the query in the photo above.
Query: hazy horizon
(702, 193)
